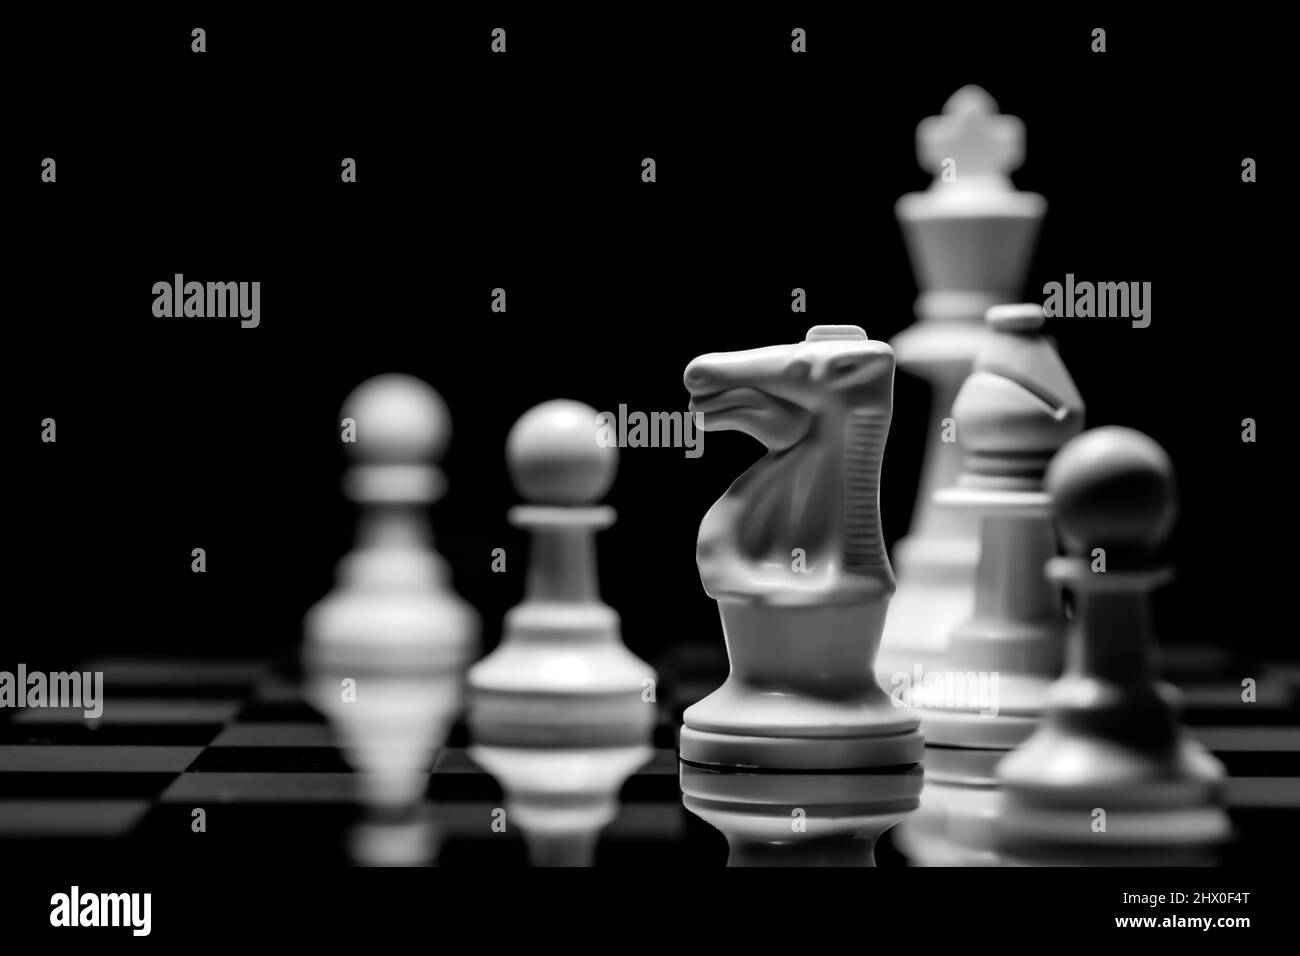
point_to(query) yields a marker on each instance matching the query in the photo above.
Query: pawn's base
(1032, 835)
(801, 753)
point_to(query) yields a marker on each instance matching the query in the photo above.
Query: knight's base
(800, 819)
(801, 753)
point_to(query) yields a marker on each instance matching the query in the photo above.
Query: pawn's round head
(556, 457)
(1112, 488)
(398, 419)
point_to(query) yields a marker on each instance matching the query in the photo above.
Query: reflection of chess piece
(1110, 776)
(561, 798)
(407, 839)
(387, 648)
(970, 237)
(955, 824)
(794, 556)
(801, 819)
(561, 712)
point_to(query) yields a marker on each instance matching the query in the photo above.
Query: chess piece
(970, 237)
(387, 649)
(561, 672)
(793, 554)
(988, 692)
(1110, 776)
(801, 819)
(561, 712)
(561, 798)
(1017, 407)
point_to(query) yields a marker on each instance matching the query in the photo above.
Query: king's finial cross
(974, 135)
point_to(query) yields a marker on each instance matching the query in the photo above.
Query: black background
(523, 171)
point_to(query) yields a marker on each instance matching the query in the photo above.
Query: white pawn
(561, 672)
(387, 649)
(561, 712)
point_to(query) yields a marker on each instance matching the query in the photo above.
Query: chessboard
(237, 739)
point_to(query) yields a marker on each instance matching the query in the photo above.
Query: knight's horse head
(777, 393)
(822, 408)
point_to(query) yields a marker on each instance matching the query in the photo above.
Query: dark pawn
(1110, 777)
